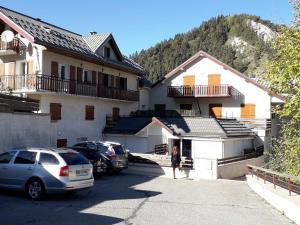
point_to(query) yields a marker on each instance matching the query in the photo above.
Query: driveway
(132, 199)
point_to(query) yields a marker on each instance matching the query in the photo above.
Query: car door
(23, 167)
(5, 168)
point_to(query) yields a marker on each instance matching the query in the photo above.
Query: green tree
(284, 77)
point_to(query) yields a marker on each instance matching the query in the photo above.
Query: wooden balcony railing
(54, 84)
(13, 45)
(200, 91)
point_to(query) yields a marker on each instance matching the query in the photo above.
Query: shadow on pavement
(86, 207)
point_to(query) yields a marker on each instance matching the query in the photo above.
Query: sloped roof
(183, 126)
(58, 38)
(202, 54)
(128, 125)
(94, 41)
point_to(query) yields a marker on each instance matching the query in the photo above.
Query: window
(89, 112)
(61, 143)
(74, 158)
(55, 111)
(105, 80)
(48, 159)
(111, 80)
(25, 157)
(248, 111)
(86, 77)
(107, 52)
(102, 149)
(123, 83)
(6, 157)
(62, 72)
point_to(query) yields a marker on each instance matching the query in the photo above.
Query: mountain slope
(241, 41)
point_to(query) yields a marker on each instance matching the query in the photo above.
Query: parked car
(114, 153)
(95, 157)
(40, 170)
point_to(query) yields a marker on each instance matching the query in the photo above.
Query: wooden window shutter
(55, 111)
(89, 112)
(30, 68)
(2, 71)
(72, 73)
(54, 69)
(79, 75)
(11, 68)
(116, 113)
(100, 78)
(189, 80)
(94, 77)
(118, 82)
(248, 111)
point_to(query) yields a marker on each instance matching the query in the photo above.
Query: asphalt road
(130, 199)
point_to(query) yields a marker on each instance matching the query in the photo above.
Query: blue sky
(138, 24)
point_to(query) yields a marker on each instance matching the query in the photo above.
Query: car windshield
(74, 158)
(119, 149)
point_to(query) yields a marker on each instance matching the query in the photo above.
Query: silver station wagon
(45, 170)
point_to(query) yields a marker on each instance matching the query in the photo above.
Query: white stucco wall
(73, 124)
(144, 98)
(230, 105)
(209, 149)
(24, 130)
(235, 147)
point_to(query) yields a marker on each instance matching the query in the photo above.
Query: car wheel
(35, 189)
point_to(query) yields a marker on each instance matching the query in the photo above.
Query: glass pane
(6, 157)
(74, 158)
(25, 157)
(48, 159)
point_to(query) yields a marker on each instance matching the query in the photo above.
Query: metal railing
(291, 183)
(54, 84)
(200, 91)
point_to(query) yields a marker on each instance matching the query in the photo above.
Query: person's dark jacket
(175, 159)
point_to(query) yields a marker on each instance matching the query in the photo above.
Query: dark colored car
(115, 156)
(95, 157)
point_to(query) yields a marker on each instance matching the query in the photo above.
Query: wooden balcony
(9, 48)
(31, 83)
(200, 91)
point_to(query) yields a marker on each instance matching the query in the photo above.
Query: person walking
(175, 159)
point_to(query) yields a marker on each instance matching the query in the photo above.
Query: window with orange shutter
(55, 111)
(89, 112)
(248, 111)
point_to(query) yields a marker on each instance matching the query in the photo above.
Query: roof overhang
(16, 27)
(157, 122)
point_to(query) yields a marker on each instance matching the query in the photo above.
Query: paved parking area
(132, 199)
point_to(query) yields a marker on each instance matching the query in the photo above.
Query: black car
(97, 160)
(113, 153)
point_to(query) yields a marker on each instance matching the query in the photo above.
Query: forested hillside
(241, 41)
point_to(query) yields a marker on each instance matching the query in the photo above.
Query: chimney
(38, 19)
(93, 32)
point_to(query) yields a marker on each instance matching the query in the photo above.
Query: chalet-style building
(205, 107)
(77, 79)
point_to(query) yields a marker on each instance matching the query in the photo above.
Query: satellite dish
(7, 36)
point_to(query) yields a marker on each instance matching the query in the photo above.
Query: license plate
(81, 172)
(99, 169)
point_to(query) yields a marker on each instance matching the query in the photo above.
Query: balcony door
(54, 76)
(214, 81)
(188, 83)
(215, 110)
(72, 80)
